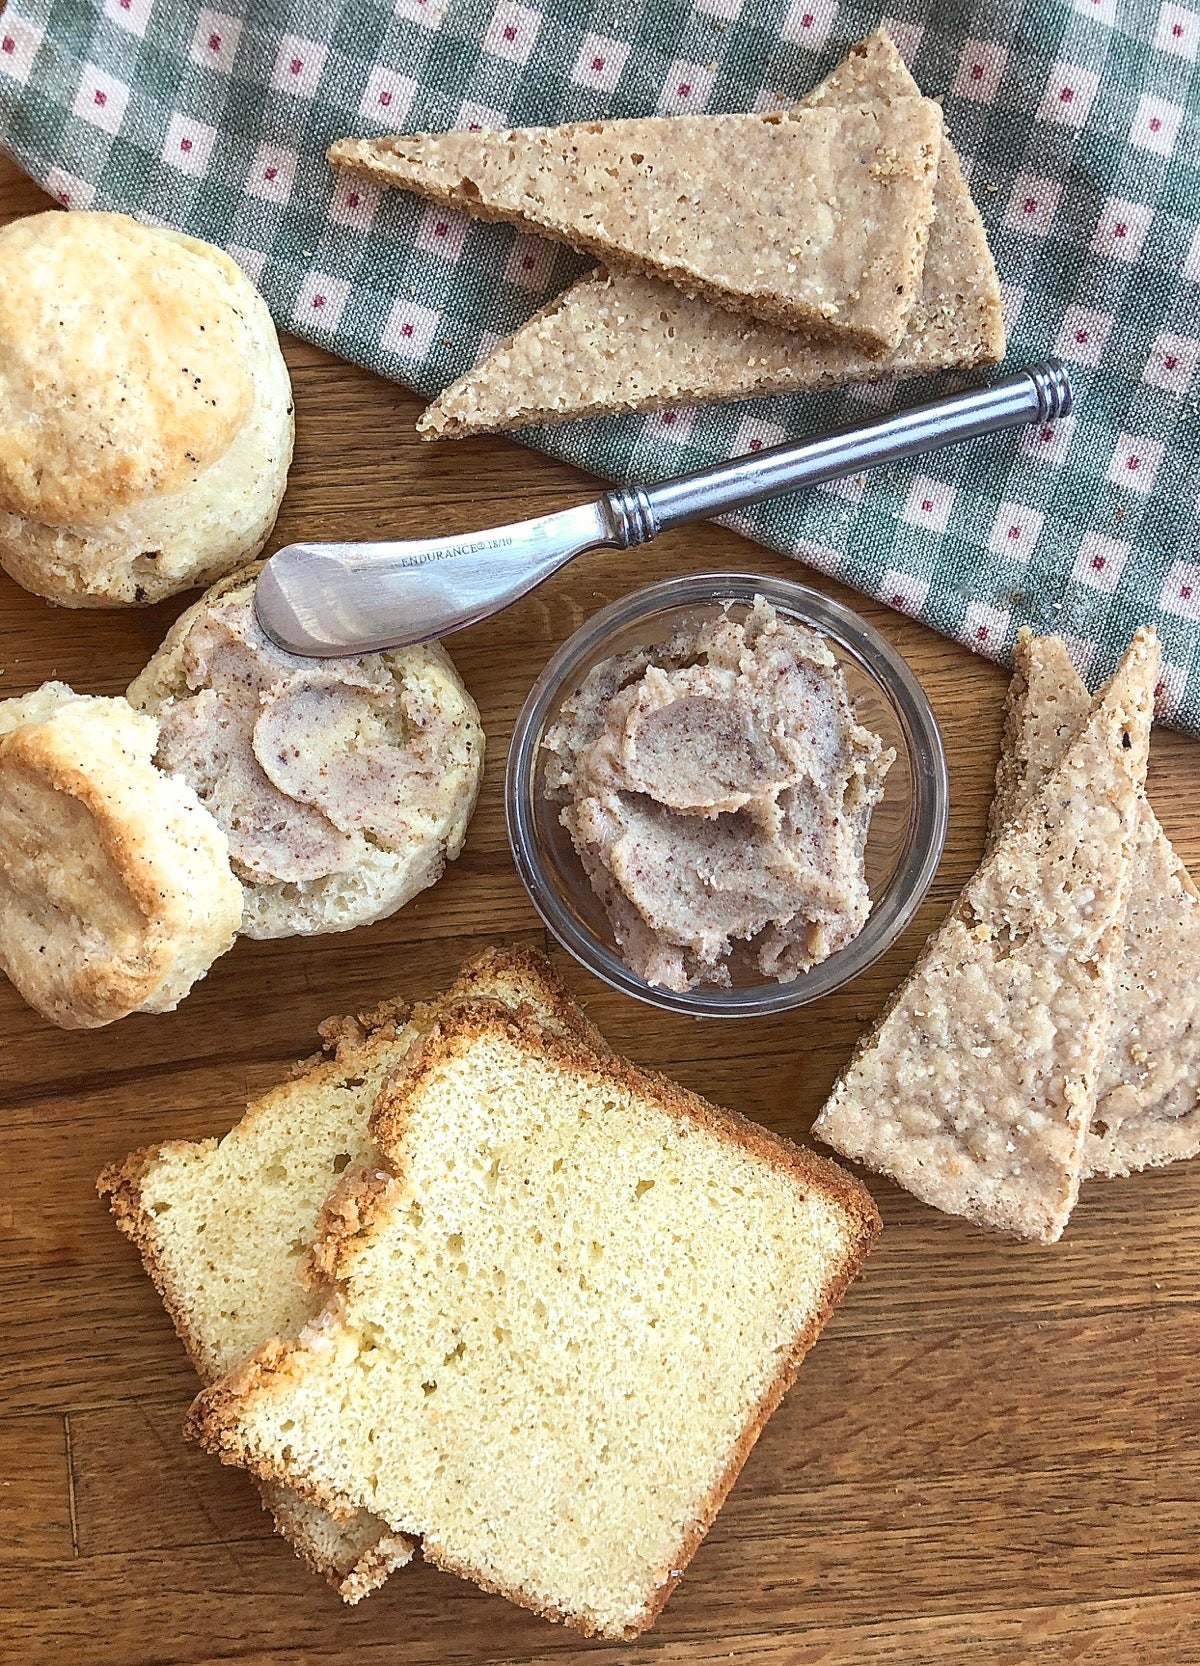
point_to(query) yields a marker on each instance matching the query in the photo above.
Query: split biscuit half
(116, 893)
(343, 785)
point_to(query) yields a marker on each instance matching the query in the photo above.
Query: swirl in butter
(718, 790)
(299, 760)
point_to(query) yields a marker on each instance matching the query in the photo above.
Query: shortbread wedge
(814, 219)
(619, 341)
(1148, 1095)
(559, 1319)
(223, 1226)
(976, 1087)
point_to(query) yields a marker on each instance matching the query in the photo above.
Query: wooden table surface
(991, 1456)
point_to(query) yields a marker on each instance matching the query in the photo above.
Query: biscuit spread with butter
(301, 760)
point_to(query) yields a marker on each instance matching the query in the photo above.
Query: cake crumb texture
(564, 1306)
(224, 1226)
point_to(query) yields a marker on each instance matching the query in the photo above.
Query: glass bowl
(908, 828)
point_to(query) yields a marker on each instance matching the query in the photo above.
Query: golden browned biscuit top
(122, 363)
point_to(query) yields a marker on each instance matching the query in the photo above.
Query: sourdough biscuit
(344, 785)
(116, 893)
(145, 410)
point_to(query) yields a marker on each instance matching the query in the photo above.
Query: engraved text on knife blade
(470, 546)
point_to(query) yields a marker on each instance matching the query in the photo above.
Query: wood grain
(992, 1456)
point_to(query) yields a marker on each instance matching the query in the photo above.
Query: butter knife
(326, 600)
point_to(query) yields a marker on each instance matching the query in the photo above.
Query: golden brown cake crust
(526, 963)
(361, 1211)
(350, 1045)
(74, 288)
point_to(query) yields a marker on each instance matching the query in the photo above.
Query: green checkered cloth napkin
(1080, 126)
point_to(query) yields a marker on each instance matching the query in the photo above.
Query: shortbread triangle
(812, 218)
(619, 341)
(976, 1087)
(1148, 1094)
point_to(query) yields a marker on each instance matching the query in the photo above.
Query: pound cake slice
(976, 1087)
(619, 341)
(223, 1226)
(1148, 1094)
(558, 1319)
(815, 219)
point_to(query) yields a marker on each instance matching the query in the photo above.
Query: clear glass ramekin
(908, 828)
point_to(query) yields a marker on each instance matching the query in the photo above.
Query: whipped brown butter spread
(718, 789)
(300, 760)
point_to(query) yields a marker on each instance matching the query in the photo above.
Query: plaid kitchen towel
(1079, 121)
